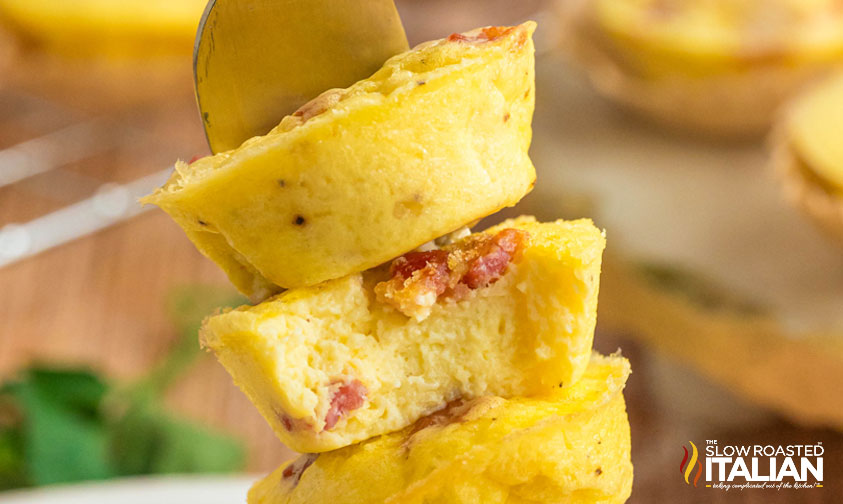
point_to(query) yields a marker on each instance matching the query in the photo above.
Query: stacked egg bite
(407, 358)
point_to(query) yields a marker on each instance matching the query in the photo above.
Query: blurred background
(652, 117)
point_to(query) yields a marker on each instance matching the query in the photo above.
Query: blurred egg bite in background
(809, 154)
(106, 27)
(726, 64)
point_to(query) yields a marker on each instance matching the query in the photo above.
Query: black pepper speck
(300, 221)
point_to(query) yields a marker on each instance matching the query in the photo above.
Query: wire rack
(68, 172)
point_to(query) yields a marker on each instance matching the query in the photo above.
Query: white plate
(162, 490)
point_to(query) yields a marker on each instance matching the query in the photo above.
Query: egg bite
(510, 311)
(717, 67)
(808, 153)
(572, 445)
(129, 28)
(433, 141)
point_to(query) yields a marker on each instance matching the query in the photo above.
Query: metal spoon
(256, 61)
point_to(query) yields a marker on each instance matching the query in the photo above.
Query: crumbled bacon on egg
(488, 34)
(419, 279)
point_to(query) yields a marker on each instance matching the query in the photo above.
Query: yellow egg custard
(510, 311)
(572, 446)
(433, 141)
(714, 66)
(809, 152)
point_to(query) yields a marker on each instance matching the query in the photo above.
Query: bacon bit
(456, 411)
(496, 32)
(458, 37)
(488, 34)
(287, 423)
(406, 265)
(292, 424)
(419, 279)
(450, 413)
(347, 398)
(319, 105)
(297, 468)
(493, 258)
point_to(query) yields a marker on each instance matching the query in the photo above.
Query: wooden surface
(101, 301)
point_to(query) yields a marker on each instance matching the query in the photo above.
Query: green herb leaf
(63, 440)
(147, 440)
(191, 448)
(61, 426)
(12, 468)
(81, 391)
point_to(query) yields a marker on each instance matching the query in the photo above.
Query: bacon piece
(496, 32)
(505, 247)
(458, 37)
(419, 279)
(456, 411)
(292, 424)
(319, 105)
(488, 34)
(287, 422)
(449, 414)
(432, 262)
(296, 469)
(348, 397)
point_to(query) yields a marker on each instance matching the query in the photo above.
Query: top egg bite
(433, 141)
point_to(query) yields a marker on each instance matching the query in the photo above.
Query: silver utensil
(257, 61)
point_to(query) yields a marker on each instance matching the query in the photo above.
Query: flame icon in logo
(686, 467)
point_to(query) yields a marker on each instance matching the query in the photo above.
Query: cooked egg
(333, 364)
(572, 445)
(435, 140)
